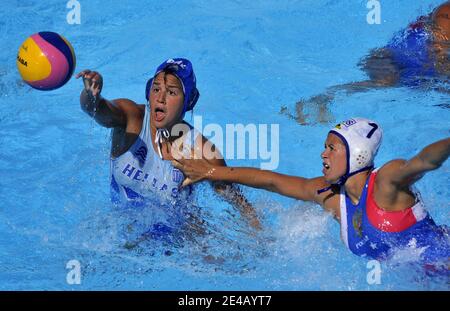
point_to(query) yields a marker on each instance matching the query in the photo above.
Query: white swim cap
(362, 138)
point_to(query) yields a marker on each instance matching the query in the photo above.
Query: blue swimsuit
(411, 52)
(140, 178)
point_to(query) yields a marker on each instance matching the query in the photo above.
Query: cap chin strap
(344, 178)
(161, 136)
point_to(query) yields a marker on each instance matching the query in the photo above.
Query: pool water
(251, 58)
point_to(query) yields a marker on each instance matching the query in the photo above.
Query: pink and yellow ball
(46, 61)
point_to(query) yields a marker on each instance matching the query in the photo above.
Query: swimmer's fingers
(90, 75)
(86, 80)
(87, 84)
(184, 166)
(187, 181)
(182, 152)
(91, 87)
(82, 73)
(96, 79)
(191, 177)
(177, 164)
(95, 88)
(93, 81)
(255, 223)
(177, 151)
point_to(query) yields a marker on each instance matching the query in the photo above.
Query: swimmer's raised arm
(403, 173)
(107, 113)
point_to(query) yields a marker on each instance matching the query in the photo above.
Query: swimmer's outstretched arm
(299, 188)
(291, 186)
(295, 187)
(400, 174)
(107, 113)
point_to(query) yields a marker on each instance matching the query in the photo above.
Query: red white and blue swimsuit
(369, 231)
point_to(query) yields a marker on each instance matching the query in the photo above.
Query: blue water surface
(251, 58)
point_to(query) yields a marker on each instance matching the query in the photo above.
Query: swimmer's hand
(194, 170)
(93, 83)
(317, 107)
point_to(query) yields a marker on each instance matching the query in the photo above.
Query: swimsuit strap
(161, 136)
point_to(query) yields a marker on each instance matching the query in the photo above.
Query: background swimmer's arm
(402, 173)
(381, 69)
(351, 88)
(323, 100)
(359, 87)
(382, 72)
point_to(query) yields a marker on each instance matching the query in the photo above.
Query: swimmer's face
(441, 20)
(166, 100)
(334, 159)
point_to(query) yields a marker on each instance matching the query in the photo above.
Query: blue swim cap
(182, 69)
